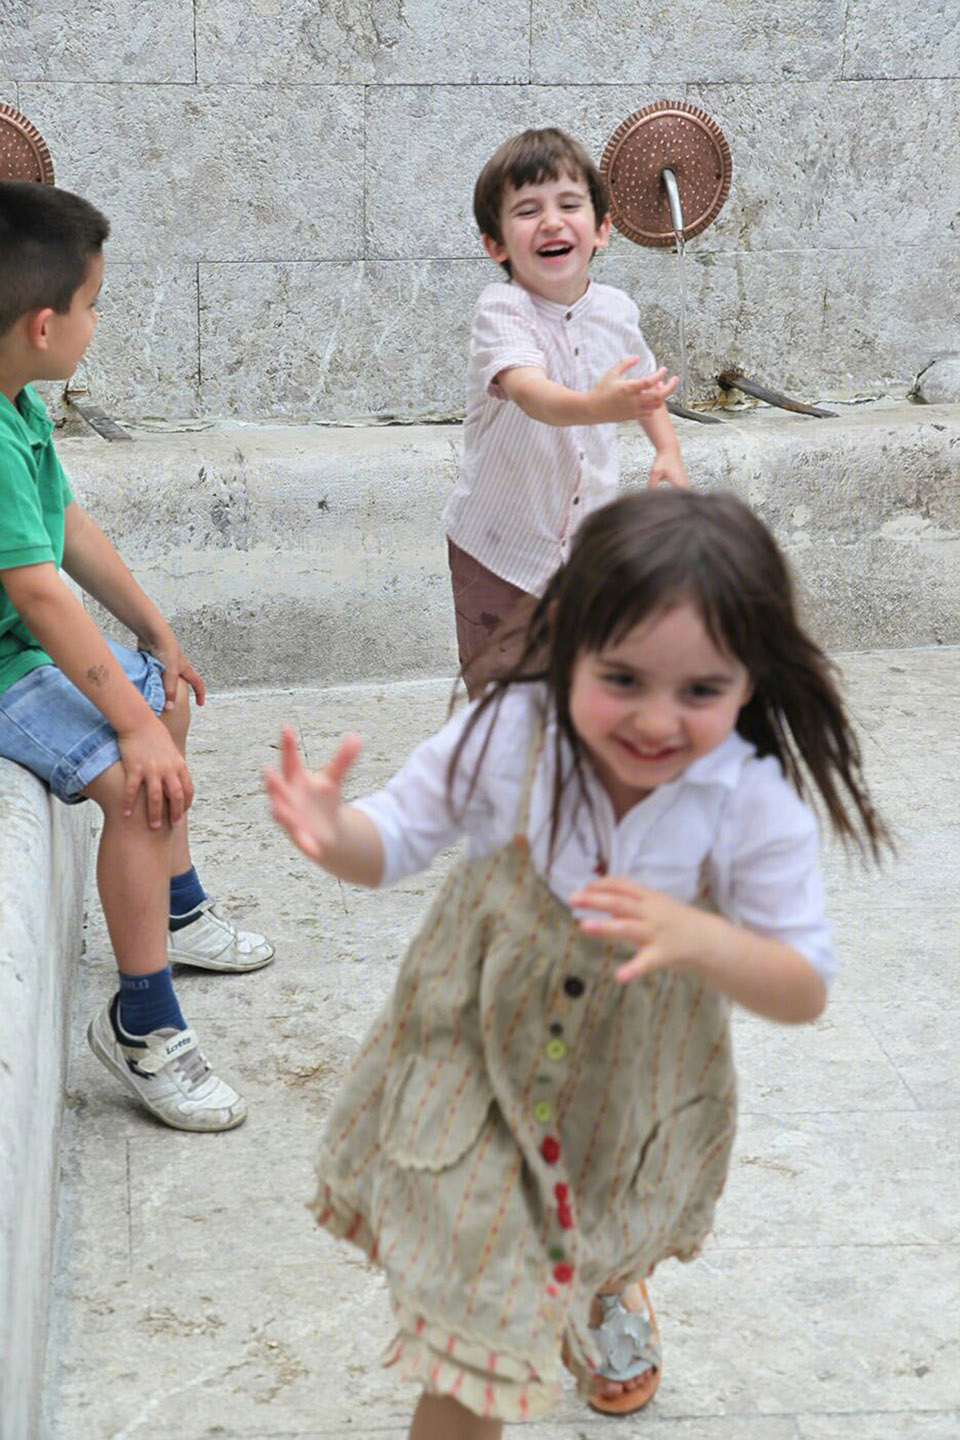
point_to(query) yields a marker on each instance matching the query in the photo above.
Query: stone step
(303, 555)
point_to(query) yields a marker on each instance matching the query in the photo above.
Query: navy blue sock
(148, 1002)
(186, 897)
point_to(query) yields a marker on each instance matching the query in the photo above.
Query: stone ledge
(44, 852)
(314, 555)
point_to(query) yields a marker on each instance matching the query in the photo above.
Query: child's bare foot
(625, 1330)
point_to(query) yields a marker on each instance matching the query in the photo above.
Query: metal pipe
(673, 200)
(96, 418)
(736, 380)
(683, 413)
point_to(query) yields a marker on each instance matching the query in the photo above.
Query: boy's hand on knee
(176, 667)
(151, 759)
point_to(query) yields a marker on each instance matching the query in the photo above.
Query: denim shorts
(49, 726)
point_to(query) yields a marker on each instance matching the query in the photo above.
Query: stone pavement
(193, 1299)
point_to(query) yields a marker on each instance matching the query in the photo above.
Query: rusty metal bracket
(683, 413)
(736, 380)
(96, 418)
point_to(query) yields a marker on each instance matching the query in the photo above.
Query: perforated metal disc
(668, 135)
(23, 151)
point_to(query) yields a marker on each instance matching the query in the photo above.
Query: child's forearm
(357, 854)
(90, 559)
(59, 623)
(765, 976)
(545, 400)
(659, 430)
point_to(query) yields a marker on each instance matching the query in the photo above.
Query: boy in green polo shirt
(91, 718)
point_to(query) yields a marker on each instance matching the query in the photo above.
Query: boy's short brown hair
(47, 239)
(526, 159)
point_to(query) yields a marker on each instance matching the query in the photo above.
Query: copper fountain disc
(668, 135)
(23, 151)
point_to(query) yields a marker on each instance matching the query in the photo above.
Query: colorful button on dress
(435, 1163)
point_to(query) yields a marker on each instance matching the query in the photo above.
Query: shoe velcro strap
(152, 1060)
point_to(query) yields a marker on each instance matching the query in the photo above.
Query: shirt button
(563, 1274)
(550, 1149)
(569, 315)
(576, 499)
(542, 1112)
(556, 1028)
(573, 986)
(555, 1050)
(576, 350)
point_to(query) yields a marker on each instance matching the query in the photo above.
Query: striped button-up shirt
(525, 486)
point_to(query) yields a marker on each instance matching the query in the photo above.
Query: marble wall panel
(336, 341)
(826, 165)
(597, 41)
(426, 145)
(151, 40)
(143, 358)
(811, 322)
(897, 41)
(228, 172)
(369, 41)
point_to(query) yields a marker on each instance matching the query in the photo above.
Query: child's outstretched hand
(668, 469)
(306, 803)
(667, 933)
(618, 397)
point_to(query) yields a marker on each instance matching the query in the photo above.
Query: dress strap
(534, 751)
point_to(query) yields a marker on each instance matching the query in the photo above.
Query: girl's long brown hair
(642, 555)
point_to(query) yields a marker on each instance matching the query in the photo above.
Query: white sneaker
(167, 1073)
(212, 943)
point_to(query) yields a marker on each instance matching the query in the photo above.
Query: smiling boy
(555, 362)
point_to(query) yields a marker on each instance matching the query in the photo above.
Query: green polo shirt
(34, 494)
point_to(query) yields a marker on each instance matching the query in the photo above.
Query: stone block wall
(289, 183)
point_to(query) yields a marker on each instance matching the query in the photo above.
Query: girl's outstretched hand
(306, 803)
(667, 933)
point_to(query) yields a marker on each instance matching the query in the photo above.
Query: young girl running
(545, 1109)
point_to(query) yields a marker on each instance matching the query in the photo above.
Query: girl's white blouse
(730, 817)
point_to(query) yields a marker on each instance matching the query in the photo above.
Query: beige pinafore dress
(520, 1131)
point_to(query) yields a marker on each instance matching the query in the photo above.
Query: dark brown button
(573, 986)
(569, 315)
(556, 1028)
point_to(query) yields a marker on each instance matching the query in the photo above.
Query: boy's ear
(494, 248)
(37, 327)
(603, 233)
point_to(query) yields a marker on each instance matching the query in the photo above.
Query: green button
(555, 1050)
(556, 1253)
(542, 1111)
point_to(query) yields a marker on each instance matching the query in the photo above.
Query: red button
(550, 1150)
(563, 1274)
(565, 1216)
(561, 1191)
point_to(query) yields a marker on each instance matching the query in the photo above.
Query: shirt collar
(721, 766)
(551, 310)
(28, 415)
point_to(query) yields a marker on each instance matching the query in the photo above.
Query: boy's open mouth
(554, 249)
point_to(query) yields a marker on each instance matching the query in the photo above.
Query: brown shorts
(482, 604)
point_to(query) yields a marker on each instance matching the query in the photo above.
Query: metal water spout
(668, 169)
(669, 180)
